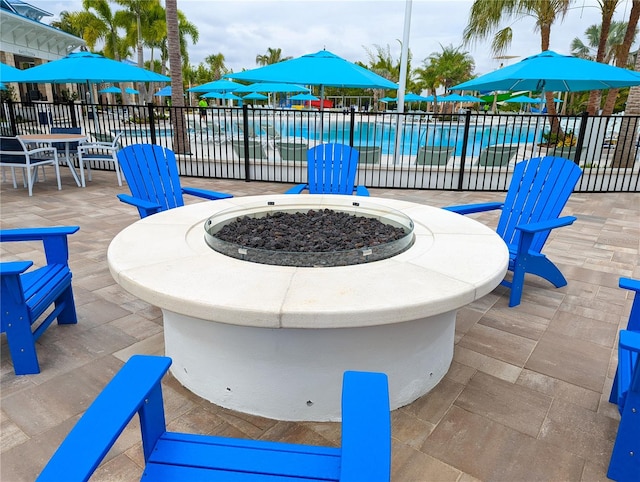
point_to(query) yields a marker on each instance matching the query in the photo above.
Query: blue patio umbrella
(221, 95)
(81, 67)
(221, 85)
(472, 98)
(9, 73)
(552, 72)
(453, 98)
(411, 97)
(2, 86)
(271, 87)
(164, 92)
(522, 99)
(386, 100)
(322, 68)
(304, 97)
(255, 96)
(131, 91)
(110, 90)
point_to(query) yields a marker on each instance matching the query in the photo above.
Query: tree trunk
(623, 58)
(178, 122)
(608, 8)
(555, 128)
(626, 145)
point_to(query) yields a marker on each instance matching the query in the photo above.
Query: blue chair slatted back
(152, 174)
(539, 190)
(61, 146)
(11, 144)
(332, 169)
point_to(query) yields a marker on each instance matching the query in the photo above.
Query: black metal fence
(416, 150)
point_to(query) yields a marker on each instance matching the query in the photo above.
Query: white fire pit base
(275, 340)
(296, 374)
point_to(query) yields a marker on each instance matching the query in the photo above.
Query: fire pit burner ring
(383, 233)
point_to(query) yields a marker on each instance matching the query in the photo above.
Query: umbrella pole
(96, 125)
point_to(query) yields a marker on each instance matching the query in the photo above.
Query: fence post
(152, 121)
(463, 154)
(581, 133)
(352, 125)
(12, 118)
(245, 134)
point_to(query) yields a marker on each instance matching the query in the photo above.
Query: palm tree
(488, 15)
(216, 66)
(623, 56)
(180, 137)
(103, 24)
(273, 56)
(585, 50)
(73, 23)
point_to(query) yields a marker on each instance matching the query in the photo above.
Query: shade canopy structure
(552, 72)
(10, 74)
(164, 92)
(472, 98)
(255, 96)
(386, 100)
(81, 67)
(411, 97)
(321, 68)
(131, 91)
(304, 97)
(221, 85)
(453, 98)
(110, 90)
(271, 87)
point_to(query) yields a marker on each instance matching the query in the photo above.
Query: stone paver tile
(499, 453)
(510, 404)
(556, 388)
(575, 361)
(432, 406)
(574, 326)
(516, 322)
(411, 465)
(486, 364)
(10, 434)
(587, 434)
(409, 429)
(498, 344)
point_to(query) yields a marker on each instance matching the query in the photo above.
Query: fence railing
(416, 150)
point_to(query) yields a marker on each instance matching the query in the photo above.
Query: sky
(243, 29)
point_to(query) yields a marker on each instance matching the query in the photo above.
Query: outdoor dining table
(50, 139)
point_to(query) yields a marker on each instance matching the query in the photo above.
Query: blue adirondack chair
(632, 325)
(152, 175)
(27, 295)
(538, 192)
(365, 453)
(624, 465)
(331, 169)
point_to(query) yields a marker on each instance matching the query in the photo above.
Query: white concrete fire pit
(274, 340)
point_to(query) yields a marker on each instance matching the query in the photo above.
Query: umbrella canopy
(110, 90)
(271, 87)
(411, 97)
(472, 98)
(80, 67)
(552, 72)
(453, 98)
(164, 92)
(221, 95)
(388, 99)
(2, 86)
(10, 74)
(221, 85)
(129, 90)
(304, 97)
(255, 96)
(322, 68)
(522, 99)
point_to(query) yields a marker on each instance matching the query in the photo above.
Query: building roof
(24, 9)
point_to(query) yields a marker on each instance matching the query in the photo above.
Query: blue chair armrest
(205, 193)
(362, 191)
(546, 225)
(630, 284)
(14, 267)
(630, 340)
(474, 208)
(36, 234)
(129, 392)
(366, 428)
(297, 189)
(140, 203)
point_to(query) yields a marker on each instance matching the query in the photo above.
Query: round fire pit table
(274, 340)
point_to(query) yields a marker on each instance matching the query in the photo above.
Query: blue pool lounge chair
(27, 295)
(538, 192)
(364, 455)
(331, 169)
(152, 175)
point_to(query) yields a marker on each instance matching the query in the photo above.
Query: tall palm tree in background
(585, 50)
(487, 16)
(216, 66)
(623, 56)
(273, 56)
(180, 137)
(103, 24)
(381, 62)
